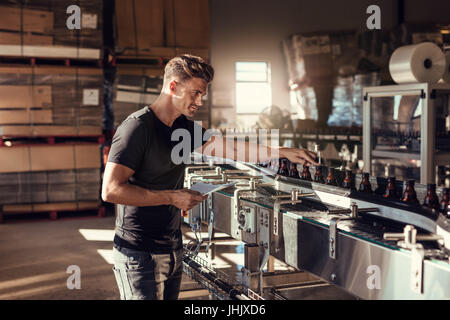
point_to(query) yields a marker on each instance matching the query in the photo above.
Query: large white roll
(423, 62)
(446, 76)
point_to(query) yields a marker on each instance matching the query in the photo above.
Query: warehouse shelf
(50, 60)
(156, 56)
(17, 140)
(54, 210)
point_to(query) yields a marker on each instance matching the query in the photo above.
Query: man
(142, 179)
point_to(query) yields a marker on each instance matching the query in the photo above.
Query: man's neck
(165, 112)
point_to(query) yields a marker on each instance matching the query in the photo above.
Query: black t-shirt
(144, 144)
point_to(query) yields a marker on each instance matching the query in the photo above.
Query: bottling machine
(370, 236)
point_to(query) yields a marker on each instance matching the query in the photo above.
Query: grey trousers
(143, 275)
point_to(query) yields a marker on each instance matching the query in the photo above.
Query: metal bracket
(407, 240)
(196, 226)
(433, 94)
(295, 197)
(253, 295)
(423, 94)
(417, 257)
(276, 213)
(333, 233)
(264, 243)
(332, 238)
(211, 223)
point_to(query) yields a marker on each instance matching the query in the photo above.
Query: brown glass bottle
(348, 180)
(318, 176)
(443, 205)
(330, 179)
(365, 185)
(409, 195)
(293, 172)
(431, 199)
(273, 165)
(283, 169)
(391, 191)
(306, 175)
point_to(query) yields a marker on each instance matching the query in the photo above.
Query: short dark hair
(187, 66)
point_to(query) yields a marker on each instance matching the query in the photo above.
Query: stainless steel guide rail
(349, 241)
(216, 282)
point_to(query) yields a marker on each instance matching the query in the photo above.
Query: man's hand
(186, 199)
(301, 156)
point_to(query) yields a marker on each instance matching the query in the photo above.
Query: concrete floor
(35, 256)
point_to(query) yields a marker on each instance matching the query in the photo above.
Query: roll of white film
(423, 62)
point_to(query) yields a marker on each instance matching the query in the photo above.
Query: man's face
(187, 95)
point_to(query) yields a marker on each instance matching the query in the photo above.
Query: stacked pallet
(162, 28)
(51, 106)
(39, 29)
(149, 33)
(134, 87)
(49, 173)
(50, 101)
(34, 177)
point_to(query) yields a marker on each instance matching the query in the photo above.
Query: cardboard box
(159, 27)
(25, 96)
(43, 207)
(149, 24)
(139, 71)
(14, 38)
(71, 96)
(49, 157)
(203, 53)
(38, 21)
(125, 35)
(49, 131)
(187, 23)
(25, 116)
(140, 26)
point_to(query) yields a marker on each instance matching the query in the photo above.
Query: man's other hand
(301, 156)
(186, 199)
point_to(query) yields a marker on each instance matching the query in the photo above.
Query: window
(253, 91)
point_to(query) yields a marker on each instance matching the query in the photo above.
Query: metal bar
(244, 177)
(399, 236)
(367, 138)
(332, 238)
(427, 142)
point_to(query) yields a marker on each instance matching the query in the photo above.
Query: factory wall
(253, 30)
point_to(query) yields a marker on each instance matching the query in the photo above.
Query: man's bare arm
(241, 150)
(116, 189)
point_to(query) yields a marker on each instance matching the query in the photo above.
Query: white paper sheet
(207, 188)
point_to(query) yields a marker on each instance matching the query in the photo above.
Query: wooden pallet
(157, 55)
(53, 209)
(49, 51)
(51, 134)
(50, 61)
(47, 157)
